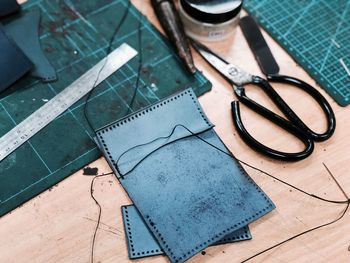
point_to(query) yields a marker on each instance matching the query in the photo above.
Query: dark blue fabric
(189, 194)
(7, 7)
(13, 63)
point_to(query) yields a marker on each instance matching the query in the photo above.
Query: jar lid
(212, 11)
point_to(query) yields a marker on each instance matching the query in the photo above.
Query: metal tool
(63, 100)
(293, 124)
(258, 46)
(172, 25)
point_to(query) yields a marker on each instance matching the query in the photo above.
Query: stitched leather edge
(133, 253)
(217, 237)
(142, 112)
(245, 236)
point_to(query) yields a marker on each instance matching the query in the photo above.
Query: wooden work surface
(57, 226)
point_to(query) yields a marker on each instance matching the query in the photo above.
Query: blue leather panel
(149, 124)
(25, 32)
(141, 242)
(13, 62)
(190, 194)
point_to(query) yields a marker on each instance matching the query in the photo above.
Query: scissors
(292, 123)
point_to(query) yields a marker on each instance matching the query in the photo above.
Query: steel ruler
(63, 100)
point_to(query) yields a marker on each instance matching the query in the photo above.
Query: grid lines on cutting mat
(75, 36)
(316, 35)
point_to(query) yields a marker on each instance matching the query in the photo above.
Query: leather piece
(141, 242)
(8, 7)
(151, 123)
(190, 194)
(13, 62)
(25, 32)
(241, 234)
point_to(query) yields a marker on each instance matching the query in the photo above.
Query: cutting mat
(316, 33)
(74, 38)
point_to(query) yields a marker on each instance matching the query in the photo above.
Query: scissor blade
(232, 73)
(215, 60)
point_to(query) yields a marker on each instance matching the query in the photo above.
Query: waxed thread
(86, 115)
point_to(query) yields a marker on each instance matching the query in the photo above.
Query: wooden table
(57, 226)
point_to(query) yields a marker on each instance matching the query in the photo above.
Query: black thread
(86, 115)
(300, 234)
(137, 83)
(121, 22)
(314, 228)
(99, 212)
(144, 144)
(108, 50)
(140, 114)
(292, 186)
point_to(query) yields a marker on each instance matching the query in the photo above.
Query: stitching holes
(126, 213)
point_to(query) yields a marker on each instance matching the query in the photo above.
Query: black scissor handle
(290, 114)
(286, 125)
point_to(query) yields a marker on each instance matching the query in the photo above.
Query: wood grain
(57, 226)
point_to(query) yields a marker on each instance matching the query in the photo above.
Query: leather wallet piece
(13, 62)
(8, 7)
(25, 32)
(141, 242)
(189, 193)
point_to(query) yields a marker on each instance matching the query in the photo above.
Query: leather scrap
(25, 32)
(141, 242)
(8, 7)
(13, 62)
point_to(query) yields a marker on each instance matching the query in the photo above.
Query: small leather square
(141, 242)
(13, 63)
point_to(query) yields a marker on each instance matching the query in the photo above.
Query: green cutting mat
(75, 37)
(316, 33)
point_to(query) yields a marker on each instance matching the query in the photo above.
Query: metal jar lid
(212, 11)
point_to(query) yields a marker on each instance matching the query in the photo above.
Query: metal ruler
(63, 100)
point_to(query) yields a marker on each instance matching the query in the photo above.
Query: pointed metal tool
(173, 27)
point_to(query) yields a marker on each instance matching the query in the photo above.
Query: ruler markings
(63, 100)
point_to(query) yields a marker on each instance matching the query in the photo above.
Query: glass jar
(210, 20)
